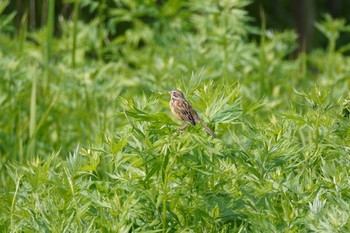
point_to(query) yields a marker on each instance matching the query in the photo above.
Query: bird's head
(176, 94)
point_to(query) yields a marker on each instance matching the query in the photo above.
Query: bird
(182, 110)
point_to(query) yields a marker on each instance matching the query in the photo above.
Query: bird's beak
(169, 92)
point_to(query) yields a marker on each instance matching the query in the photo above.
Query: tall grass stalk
(165, 200)
(50, 31)
(74, 34)
(101, 17)
(14, 198)
(317, 128)
(213, 177)
(32, 121)
(262, 53)
(22, 33)
(167, 163)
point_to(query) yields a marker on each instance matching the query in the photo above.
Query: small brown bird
(182, 110)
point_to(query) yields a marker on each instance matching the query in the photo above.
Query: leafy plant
(88, 144)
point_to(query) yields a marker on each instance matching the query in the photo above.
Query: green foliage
(87, 142)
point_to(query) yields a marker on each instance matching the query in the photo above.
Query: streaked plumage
(182, 110)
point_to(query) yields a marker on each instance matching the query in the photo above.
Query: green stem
(225, 43)
(165, 193)
(50, 29)
(100, 31)
(49, 40)
(22, 33)
(262, 54)
(75, 19)
(32, 117)
(317, 129)
(213, 158)
(18, 182)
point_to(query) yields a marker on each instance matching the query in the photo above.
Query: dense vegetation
(88, 143)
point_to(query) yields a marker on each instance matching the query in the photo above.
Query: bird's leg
(182, 128)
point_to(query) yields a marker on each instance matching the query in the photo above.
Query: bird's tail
(209, 130)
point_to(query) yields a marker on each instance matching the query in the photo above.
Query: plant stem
(317, 128)
(18, 182)
(101, 28)
(165, 193)
(32, 117)
(50, 29)
(74, 42)
(213, 158)
(262, 54)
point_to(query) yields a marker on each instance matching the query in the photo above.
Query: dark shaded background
(299, 15)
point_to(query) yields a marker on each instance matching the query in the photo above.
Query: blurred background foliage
(299, 15)
(87, 143)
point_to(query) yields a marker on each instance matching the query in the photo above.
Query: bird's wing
(186, 112)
